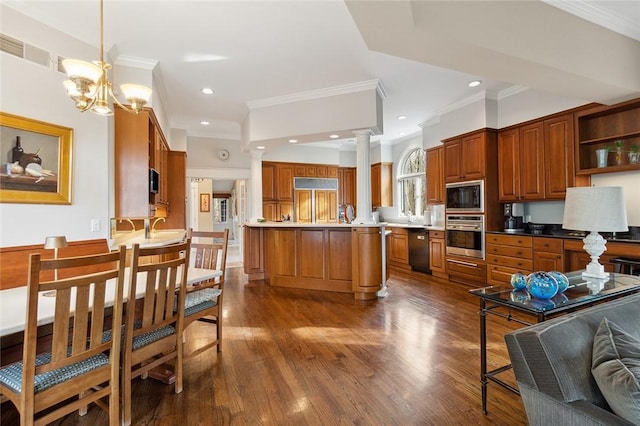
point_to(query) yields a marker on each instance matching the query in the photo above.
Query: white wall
(30, 90)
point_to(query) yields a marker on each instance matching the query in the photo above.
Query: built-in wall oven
(465, 235)
(467, 197)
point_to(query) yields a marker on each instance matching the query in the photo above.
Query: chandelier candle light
(90, 88)
(595, 209)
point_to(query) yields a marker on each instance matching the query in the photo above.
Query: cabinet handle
(546, 245)
(459, 262)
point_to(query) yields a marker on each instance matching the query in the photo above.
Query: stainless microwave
(465, 197)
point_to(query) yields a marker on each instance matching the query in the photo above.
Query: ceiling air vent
(23, 50)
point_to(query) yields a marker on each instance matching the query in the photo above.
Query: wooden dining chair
(76, 365)
(204, 300)
(153, 325)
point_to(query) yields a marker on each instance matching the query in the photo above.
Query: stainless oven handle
(464, 227)
(474, 265)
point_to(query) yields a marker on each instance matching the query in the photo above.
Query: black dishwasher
(419, 250)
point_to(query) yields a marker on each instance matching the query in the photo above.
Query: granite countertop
(556, 231)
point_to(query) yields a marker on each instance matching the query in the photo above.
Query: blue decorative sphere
(542, 285)
(563, 281)
(519, 281)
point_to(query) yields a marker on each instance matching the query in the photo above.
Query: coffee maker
(513, 213)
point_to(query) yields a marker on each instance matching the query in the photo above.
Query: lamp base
(595, 245)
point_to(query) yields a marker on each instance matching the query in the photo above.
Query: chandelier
(90, 88)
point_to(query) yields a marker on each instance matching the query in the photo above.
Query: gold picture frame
(205, 203)
(44, 175)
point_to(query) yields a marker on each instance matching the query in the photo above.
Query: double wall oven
(465, 219)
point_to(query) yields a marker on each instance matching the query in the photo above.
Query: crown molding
(594, 13)
(135, 62)
(320, 93)
(510, 91)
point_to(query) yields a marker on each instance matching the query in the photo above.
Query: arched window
(411, 183)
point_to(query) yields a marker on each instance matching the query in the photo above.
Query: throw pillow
(616, 368)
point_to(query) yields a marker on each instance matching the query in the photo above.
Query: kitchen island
(345, 258)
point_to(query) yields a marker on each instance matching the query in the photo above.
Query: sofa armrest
(544, 410)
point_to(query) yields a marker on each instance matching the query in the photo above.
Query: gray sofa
(552, 364)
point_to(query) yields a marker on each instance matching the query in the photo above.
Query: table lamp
(595, 209)
(55, 243)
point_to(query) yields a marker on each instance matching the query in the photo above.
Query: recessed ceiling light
(260, 147)
(402, 117)
(475, 83)
(293, 140)
(207, 91)
(402, 133)
(204, 123)
(334, 136)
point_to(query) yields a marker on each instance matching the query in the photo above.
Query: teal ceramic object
(519, 281)
(542, 285)
(561, 279)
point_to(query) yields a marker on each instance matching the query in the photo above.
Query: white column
(255, 188)
(363, 173)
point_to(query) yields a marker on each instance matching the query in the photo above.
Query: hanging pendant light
(90, 88)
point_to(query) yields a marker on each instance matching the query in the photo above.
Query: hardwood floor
(301, 357)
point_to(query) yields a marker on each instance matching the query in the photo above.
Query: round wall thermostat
(223, 154)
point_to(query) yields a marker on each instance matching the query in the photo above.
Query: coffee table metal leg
(483, 354)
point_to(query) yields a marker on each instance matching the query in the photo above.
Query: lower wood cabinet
(437, 250)
(466, 270)
(548, 254)
(507, 255)
(398, 251)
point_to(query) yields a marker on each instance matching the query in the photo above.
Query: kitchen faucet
(153, 226)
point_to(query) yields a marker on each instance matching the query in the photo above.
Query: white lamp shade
(136, 91)
(77, 68)
(595, 209)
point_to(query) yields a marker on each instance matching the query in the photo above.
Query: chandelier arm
(115, 99)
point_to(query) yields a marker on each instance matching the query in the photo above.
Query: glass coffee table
(503, 301)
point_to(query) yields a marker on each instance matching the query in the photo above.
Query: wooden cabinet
(536, 161)
(600, 127)
(381, 185)
(139, 146)
(284, 182)
(435, 175)
(304, 206)
(268, 181)
(346, 185)
(176, 165)
(469, 271)
(465, 156)
(437, 248)
(548, 254)
(507, 255)
(326, 206)
(399, 248)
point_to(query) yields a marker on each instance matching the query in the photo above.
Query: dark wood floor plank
(316, 358)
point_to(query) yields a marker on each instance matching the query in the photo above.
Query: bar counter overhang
(345, 258)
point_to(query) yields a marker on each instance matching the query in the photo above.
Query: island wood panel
(338, 249)
(314, 257)
(367, 258)
(280, 252)
(253, 256)
(311, 251)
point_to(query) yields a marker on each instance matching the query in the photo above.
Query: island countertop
(286, 224)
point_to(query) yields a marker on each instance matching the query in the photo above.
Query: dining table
(13, 301)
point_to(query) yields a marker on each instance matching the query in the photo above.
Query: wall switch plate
(95, 225)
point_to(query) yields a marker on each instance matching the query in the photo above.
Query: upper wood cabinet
(284, 179)
(346, 185)
(600, 127)
(139, 145)
(435, 175)
(381, 185)
(176, 165)
(521, 163)
(536, 161)
(465, 156)
(268, 181)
